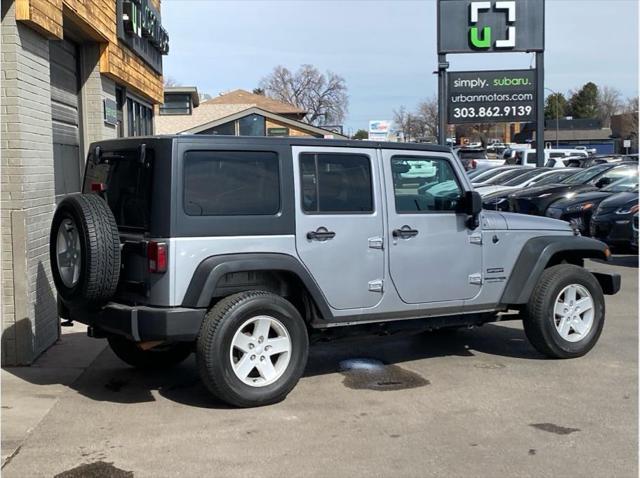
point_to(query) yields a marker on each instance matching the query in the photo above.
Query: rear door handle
(320, 234)
(405, 232)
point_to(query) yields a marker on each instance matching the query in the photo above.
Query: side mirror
(472, 206)
(602, 182)
(472, 203)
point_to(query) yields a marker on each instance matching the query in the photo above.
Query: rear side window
(125, 183)
(336, 183)
(225, 183)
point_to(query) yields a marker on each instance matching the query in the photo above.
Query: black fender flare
(536, 254)
(212, 269)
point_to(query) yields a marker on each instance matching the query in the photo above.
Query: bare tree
(428, 114)
(170, 81)
(609, 104)
(405, 123)
(323, 96)
(631, 105)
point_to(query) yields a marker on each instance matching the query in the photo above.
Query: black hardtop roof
(280, 141)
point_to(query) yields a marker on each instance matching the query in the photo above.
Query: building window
(120, 111)
(225, 129)
(252, 125)
(140, 118)
(176, 104)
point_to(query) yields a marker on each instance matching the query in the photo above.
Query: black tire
(160, 357)
(213, 348)
(539, 318)
(99, 242)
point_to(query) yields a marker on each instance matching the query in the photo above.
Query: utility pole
(540, 109)
(443, 64)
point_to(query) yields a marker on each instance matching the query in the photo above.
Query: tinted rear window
(225, 183)
(472, 154)
(127, 182)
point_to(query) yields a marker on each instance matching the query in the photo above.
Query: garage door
(65, 114)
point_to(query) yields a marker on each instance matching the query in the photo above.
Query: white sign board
(379, 127)
(626, 143)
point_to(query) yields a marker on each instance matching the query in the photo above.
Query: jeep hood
(516, 222)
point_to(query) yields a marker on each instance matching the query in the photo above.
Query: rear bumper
(142, 323)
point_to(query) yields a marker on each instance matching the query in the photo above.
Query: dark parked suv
(245, 250)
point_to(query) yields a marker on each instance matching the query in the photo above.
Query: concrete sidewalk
(29, 393)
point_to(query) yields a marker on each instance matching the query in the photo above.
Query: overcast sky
(386, 50)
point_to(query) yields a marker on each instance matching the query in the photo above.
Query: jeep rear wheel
(252, 349)
(565, 314)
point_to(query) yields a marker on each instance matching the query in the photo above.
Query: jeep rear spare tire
(84, 248)
(565, 314)
(252, 349)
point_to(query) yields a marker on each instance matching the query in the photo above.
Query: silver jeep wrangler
(245, 250)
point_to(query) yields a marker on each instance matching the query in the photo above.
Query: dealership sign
(468, 26)
(139, 27)
(491, 96)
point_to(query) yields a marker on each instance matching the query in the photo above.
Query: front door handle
(405, 232)
(320, 234)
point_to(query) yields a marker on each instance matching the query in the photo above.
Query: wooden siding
(98, 17)
(293, 131)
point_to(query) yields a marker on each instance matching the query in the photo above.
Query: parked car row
(599, 201)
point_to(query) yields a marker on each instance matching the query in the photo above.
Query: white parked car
(529, 157)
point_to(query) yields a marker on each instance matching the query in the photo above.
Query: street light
(557, 114)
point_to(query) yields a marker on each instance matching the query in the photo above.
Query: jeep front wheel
(565, 314)
(252, 349)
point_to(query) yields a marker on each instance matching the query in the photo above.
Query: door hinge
(475, 239)
(376, 285)
(376, 243)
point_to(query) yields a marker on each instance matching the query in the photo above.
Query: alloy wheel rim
(68, 254)
(574, 313)
(260, 351)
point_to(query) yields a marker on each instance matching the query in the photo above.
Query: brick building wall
(29, 319)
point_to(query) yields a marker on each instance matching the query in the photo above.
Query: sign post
(490, 26)
(540, 109)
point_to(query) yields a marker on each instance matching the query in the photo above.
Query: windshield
(587, 175)
(523, 178)
(507, 176)
(480, 178)
(555, 177)
(625, 184)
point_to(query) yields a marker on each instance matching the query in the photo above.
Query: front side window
(225, 183)
(424, 185)
(336, 183)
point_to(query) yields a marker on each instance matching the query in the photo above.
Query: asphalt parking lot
(478, 402)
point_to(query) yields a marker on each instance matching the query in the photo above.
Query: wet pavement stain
(532, 451)
(371, 374)
(551, 428)
(98, 469)
(115, 384)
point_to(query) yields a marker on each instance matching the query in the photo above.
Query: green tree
(361, 134)
(584, 102)
(555, 106)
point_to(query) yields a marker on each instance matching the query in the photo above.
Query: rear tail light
(157, 256)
